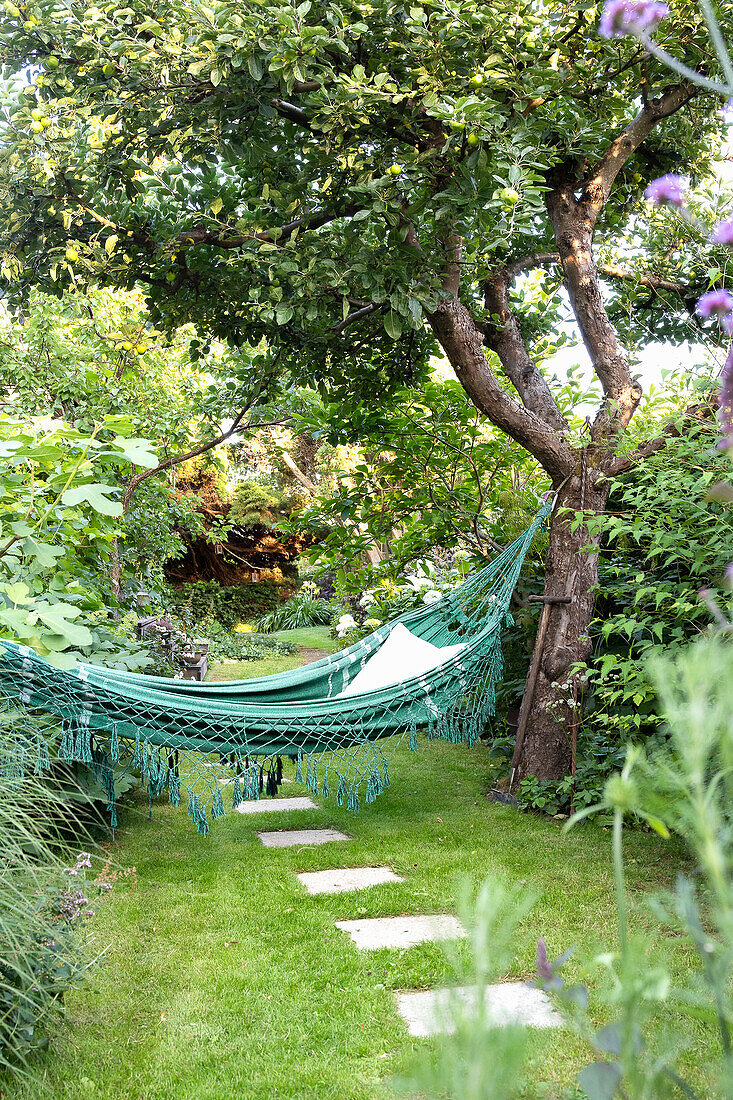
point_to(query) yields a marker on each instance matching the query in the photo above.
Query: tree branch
(462, 342)
(674, 430)
(504, 337)
(200, 234)
(597, 186)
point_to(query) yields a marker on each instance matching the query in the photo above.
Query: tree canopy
(305, 173)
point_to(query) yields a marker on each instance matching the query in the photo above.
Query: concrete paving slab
(378, 932)
(290, 838)
(341, 879)
(432, 1012)
(271, 805)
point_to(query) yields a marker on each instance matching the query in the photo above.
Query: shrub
(207, 601)
(254, 505)
(303, 609)
(247, 647)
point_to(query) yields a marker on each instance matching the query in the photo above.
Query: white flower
(367, 599)
(372, 623)
(432, 596)
(345, 624)
(419, 583)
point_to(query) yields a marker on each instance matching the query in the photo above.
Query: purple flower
(622, 17)
(544, 967)
(718, 302)
(723, 232)
(726, 112)
(667, 189)
(729, 573)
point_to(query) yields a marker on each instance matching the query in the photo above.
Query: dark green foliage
(207, 601)
(255, 505)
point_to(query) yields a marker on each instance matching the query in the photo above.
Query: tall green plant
(41, 916)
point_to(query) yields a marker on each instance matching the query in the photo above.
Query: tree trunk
(571, 571)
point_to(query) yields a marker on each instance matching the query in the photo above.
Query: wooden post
(531, 680)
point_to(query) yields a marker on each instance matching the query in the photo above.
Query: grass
(309, 638)
(222, 977)
(312, 637)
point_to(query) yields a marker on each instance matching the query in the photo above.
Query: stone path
(425, 1012)
(290, 838)
(370, 934)
(272, 805)
(428, 1012)
(342, 879)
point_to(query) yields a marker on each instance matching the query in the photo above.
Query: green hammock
(214, 739)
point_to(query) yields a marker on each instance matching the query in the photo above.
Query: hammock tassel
(174, 788)
(341, 792)
(217, 804)
(236, 793)
(325, 784)
(299, 768)
(413, 736)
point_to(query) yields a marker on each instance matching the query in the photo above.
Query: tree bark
(572, 571)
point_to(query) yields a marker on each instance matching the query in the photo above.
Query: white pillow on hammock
(401, 656)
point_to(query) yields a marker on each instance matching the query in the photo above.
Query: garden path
(425, 1012)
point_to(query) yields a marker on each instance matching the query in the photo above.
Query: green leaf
(95, 494)
(392, 325)
(216, 205)
(137, 451)
(600, 1080)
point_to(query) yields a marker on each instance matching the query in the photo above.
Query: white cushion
(401, 656)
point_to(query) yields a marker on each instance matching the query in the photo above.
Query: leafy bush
(255, 505)
(303, 609)
(390, 594)
(247, 647)
(205, 602)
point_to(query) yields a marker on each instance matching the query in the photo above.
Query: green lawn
(221, 977)
(310, 638)
(313, 637)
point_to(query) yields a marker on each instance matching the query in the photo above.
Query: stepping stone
(270, 805)
(378, 932)
(429, 1012)
(346, 878)
(290, 838)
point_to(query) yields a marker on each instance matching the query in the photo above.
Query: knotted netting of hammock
(211, 741)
